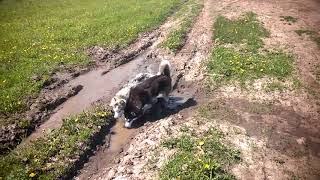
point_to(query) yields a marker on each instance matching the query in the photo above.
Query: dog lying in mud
(118, 102)
(146, 94)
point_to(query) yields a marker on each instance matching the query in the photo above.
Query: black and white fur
(118, 102)
(144, 95)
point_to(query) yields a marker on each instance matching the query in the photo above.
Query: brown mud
(276, 132)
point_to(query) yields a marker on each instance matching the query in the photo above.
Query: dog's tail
(165, 68)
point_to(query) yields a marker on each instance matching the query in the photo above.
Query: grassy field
(36, 36)
(56, 154)
(246, 62)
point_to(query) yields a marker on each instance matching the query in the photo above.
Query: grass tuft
(246, 30)
(313, 35)
(226, 65)
(289, 19)
(177, 37)
(274, 86)
(207, 159)
(56, 154)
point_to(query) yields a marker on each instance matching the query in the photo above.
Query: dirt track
(277, 133)
(278, 141)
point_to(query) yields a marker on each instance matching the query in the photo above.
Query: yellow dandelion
(32, 175)
(201, 143)
(207, 166)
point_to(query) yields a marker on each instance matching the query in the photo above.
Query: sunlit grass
(36, 36)
(55, 154)
(247, 29)
(178, 36)
(227, 64)
(199, 157)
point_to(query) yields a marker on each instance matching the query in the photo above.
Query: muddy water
(116, 142)
(95, 87)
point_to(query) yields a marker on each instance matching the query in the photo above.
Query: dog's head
(118, 104)
(131, 113)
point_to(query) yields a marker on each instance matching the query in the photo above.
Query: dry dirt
(276, 132)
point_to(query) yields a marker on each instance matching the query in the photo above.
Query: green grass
(274, 86)
(36, 36)
(289, 19)
(55, 155)
(313, 35)
(177, 37)
(246, 30)
(203, 157)
(228, 65)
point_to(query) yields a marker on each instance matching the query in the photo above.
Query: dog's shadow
(160, 110)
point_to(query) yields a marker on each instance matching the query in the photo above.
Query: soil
(276, 132)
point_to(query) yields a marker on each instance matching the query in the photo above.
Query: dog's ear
(122, 102)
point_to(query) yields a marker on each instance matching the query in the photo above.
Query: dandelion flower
(207, 166)
(201, 143)
(32, 175)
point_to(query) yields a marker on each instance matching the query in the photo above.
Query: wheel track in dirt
(187, 68)
(131, 162)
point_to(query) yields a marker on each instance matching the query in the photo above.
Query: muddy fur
(118, 102)
(143, 96)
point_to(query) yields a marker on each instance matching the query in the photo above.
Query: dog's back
(145, 92)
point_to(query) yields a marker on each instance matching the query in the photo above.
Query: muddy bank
(96, 86)
(60, 87)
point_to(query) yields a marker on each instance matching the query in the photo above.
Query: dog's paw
(128, 124)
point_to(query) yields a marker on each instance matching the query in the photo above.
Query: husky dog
(144, 95)
(118, 102)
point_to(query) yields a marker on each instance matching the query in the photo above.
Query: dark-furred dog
(143, 96)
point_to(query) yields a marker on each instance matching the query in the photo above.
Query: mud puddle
(96, 86)
(115, 143)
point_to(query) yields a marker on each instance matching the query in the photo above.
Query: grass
(177, 37)
(246, 30)
(37, 36)
(289, 19)
(300, 32)
(274, 86)
(218, 110)
(316, 72)
(203, 157)
(56, 154)
(313, 35)
(229, 64)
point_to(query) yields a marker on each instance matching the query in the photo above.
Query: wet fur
(118, 102)
(144, 95)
